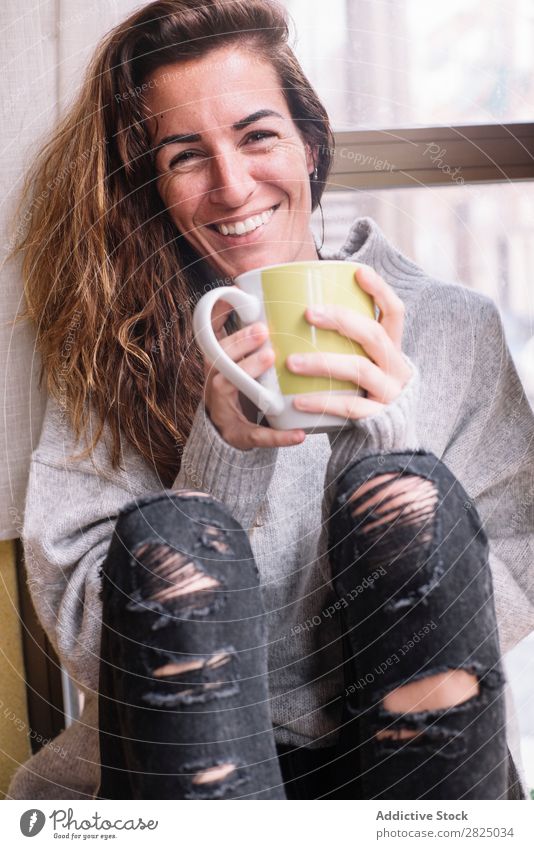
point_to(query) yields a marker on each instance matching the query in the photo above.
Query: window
(478, 235)
(433, 110)
(399, 63)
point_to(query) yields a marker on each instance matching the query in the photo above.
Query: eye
(260, 135)
(180, 158)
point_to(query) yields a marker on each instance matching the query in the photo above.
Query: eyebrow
(182, 138)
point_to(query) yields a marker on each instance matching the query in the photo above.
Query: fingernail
(316, 312)
(296, 361)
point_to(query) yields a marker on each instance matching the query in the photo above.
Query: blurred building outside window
(409, 63)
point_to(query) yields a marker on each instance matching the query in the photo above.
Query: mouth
(248, 230)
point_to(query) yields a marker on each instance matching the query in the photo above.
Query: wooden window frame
(416, 157)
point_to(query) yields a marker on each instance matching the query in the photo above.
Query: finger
(361, 371)
(268, 437)
(247, 434)
(390, 305)
(368, 333)
(238, 344)
(244, 434)
(219, 316)
(242, 342)
(254, 365)
(345, 406)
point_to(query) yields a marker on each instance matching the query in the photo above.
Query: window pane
(479, 236)
(386, 63)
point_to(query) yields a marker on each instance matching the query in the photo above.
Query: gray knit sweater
(464, 402)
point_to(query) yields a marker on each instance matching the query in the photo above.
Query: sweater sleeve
(69, 520)
(492, 453)
(394, 428)
(238, 478)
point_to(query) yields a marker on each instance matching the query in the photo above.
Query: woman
(257, 613)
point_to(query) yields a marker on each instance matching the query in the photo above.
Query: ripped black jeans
(184, 698)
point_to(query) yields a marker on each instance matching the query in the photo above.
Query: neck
(308, 251)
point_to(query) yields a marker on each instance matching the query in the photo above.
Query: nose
(231, 180)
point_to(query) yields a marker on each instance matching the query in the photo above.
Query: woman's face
(241, 165)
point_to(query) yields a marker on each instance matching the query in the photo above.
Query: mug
(278, 296)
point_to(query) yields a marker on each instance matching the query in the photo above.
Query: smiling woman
(232, 168)
(178, 559)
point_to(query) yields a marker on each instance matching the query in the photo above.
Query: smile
(248, 225)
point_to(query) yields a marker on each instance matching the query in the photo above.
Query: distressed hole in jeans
(213, 662)
(196, 493)
(391, 496)
(213, 537)
(213, 773)
(395, 522)
(171, 574)
(194, 680)
(432, 693)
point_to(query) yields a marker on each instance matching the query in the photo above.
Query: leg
(183, 704)
(424, 705)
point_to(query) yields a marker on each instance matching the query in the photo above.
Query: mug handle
(248, 308)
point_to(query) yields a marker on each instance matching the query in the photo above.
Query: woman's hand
(221, 397)
(383, 376)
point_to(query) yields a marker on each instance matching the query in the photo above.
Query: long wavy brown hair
(109, 282)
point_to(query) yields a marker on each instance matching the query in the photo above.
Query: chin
(259, 262)
(249, 262)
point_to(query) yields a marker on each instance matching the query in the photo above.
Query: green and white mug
(278, 296)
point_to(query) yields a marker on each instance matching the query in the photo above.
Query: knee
(390, 492)
(396, 463)
(384, 493)
(177, 548)
(173, 514)
(403, 512)
(163, 502)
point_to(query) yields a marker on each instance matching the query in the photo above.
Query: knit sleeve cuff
(239, 478)
(392, 429)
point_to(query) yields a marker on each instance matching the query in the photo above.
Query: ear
(311, 157)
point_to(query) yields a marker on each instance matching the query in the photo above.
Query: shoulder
(454, 302)
(451, 329)
(57, 440)
(450, 300)
(421, 292)
(463, 322)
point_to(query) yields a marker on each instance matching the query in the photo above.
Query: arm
(68, 524)
(70, 514)
(239, 478)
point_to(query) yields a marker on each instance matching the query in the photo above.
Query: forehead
(216, 90)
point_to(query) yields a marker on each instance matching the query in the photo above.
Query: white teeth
(247, 226)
